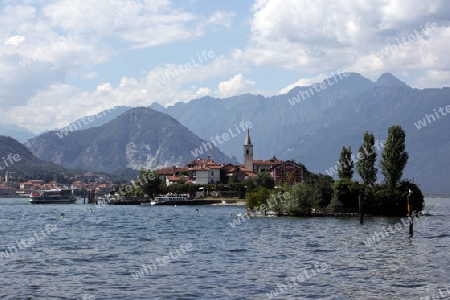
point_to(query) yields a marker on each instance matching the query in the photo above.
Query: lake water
(167, 252)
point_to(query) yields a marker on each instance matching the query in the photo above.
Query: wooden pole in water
(361, 209)
(360, 205)
(409, 202)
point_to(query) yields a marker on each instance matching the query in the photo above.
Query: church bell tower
(248, 152)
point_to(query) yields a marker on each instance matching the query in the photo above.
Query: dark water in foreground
(96, 255)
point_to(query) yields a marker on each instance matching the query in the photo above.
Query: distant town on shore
(200, 171)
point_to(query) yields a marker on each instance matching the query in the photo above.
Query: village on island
(255, 183)
(198, 177)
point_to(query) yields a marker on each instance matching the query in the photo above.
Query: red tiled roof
(204, 162)
(288, 163)
(243, 169)
(171, 171)
(270, 161)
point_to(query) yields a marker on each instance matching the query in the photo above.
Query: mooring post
(361, 209)
(360, 204)
(409, 202)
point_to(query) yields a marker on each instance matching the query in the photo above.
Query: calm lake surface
(189, 255)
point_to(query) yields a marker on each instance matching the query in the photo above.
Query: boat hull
(51, 201)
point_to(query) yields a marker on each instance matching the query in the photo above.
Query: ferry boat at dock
(53, 196)
(169, 199)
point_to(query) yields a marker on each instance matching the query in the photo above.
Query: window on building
(296, 172)
(212, 173)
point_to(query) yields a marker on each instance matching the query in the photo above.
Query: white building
(205, 171)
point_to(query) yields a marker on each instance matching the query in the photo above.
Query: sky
(64, 59)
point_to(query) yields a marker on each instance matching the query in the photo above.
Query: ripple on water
(98, 253)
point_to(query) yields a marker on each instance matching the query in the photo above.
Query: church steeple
(247, 138)
(248, 152)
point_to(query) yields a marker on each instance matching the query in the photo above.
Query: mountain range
(18, 160)
(314, 130)
(309, 124)
(139, 138)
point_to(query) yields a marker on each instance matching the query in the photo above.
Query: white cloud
(201, 92)
(221, 18)
(235, 86)
(327, 35)
(48, 109)
(304, 82)
(104, 87)
(313, 38)
(323, 36)
(15, 40)
(433, 79)
(420, 53)
(103, 33)
(90, 75)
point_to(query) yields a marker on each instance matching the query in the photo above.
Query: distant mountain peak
(387, 79)
(140, 137)
(158, 107)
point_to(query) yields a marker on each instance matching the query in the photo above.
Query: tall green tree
(367, 158)
(394, 156)
(346, 164)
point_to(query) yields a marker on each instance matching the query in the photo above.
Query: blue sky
(61, 59)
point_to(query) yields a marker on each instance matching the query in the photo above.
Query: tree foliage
(345, 169)
(394, 156)
(346, 192)
(256, 198)
(264, 179)
(383, 200)
(322, 186)
(367, 158)
(147, 184)
(295, 200)
(387, 199)
(302, 199)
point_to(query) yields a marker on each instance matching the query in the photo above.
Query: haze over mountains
(24, 162)
(19, 133)
(139, 138)
(308, 124)
(314, 130)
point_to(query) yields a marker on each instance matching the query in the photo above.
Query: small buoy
(62, 215)
(90, 210)
(196, 210)
(175, 205)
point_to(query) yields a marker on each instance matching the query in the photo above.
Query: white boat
(53, 196)
(167, 198)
